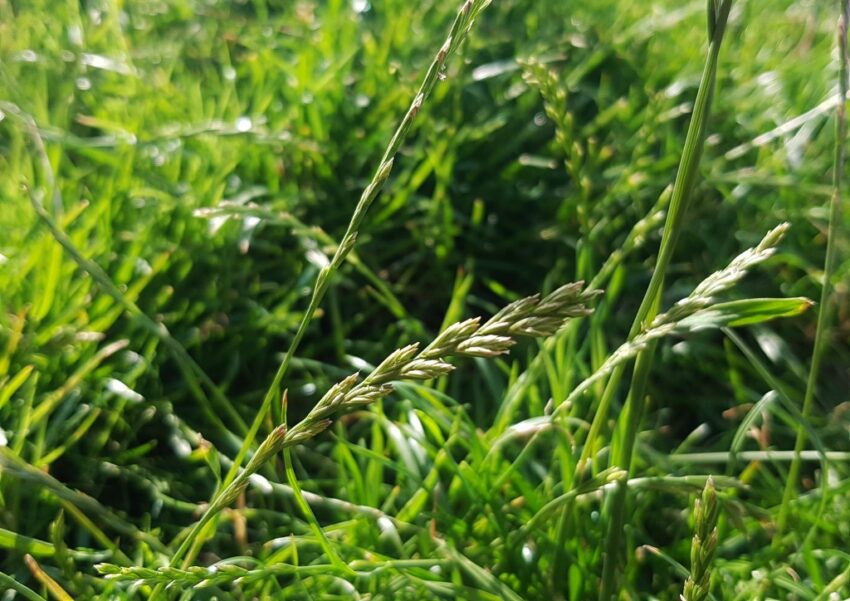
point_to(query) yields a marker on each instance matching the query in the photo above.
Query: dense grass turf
(177, 178)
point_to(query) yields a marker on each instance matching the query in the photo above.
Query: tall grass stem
(673, 226)
(822, 331)
(459, 30)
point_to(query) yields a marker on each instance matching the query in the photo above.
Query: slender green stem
(830, 265)
(235, 479)
(682, 190)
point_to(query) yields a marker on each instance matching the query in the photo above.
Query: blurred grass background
(208, 154)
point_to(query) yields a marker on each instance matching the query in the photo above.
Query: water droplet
(539, 119)
(361, 6)
(361, 101)
(243, 124)
(83, 83)
(228, 73)
(307, 98)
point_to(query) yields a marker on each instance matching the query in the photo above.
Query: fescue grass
(222, 376)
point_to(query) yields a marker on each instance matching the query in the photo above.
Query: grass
(189, 283)
(824, 311)
(718, 15)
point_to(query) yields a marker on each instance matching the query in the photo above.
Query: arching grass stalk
(830, 264)
(699, 311)
(460, 28)
(718, 14)
(531, 316)
(635, 239)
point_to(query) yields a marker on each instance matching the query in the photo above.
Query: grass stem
(822, 331)
(673, 226)
(233, 481)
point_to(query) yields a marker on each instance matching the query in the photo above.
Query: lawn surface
(176, 175)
